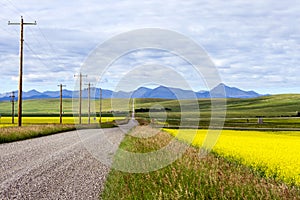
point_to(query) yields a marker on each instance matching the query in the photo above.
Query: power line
(5, 29)
(44, 46)
(50, 45)
(16, 9)
(13, 8)
(35, 54)
(43, 42)
(38, 39)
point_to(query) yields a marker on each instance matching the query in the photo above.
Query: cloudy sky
(255, 45)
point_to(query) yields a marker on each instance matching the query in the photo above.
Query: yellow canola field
(6, 121)
(273, 154)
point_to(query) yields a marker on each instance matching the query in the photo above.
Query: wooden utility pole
(132, 108)
(89, 103)
(21, 69)
(100, 114)
(80, 94)
(12, 96)
(61, 103)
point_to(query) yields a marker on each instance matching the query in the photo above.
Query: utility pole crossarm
(22, 22)
(21, 68)
(10, 23)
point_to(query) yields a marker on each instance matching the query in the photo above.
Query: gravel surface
(70, 165)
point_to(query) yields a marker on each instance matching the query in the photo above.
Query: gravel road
(60, 166)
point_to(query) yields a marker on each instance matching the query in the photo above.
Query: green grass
(11, 134)
(190, 177)
(268, 106)
(51, 106)
(240, 112)
(278, 111)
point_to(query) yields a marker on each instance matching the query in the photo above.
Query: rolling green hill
(267, 106)
(278, 111)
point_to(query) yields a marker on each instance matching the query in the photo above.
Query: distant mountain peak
(223, 90)
(220, 91)
(143, 88)
(33, 91)
(162, 87)
(221, 85)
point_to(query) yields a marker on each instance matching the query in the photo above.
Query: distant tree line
(152, 109)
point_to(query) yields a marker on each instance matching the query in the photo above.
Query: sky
(254, 45)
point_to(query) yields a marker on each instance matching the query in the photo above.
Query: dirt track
(58, 166)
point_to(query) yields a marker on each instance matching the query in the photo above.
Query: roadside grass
(190, 177)
(40, 126)
(11, 134)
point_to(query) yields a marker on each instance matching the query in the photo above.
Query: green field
(277, 111)
(268, 106)
(51, 106)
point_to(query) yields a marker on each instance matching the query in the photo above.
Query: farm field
(285, 105)
(191, 176)
(277, 111)
(271, 154)
(6, 121)
(51, 106)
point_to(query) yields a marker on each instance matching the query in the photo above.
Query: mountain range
(142, 92)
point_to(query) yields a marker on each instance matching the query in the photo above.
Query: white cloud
(253, 43)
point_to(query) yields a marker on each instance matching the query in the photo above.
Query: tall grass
(190, 177)
(10, 134)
